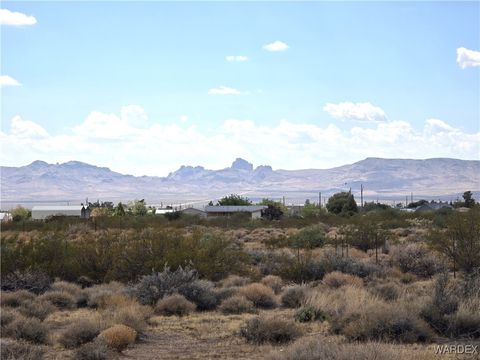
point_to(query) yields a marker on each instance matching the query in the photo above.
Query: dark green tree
(468, 198)
(234, 199)
(119, 210)
(342, 203)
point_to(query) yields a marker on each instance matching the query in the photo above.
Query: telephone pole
(319, 199)
(361, 195)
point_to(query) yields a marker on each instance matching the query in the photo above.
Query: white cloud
(468, 58)
(183, 118)
(26, 129)
(14, 18)
(117, 141)
(355, 111)
(224, 90)
(276, 46)
(237, 58)
(6, 80)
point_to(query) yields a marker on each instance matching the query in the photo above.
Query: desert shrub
(237, 305)
(337, 279)
(118, 337)
(418, 260)
(361, 316)
(444, 302)
(174, 305)
(16, 298)
(201, 293)
(309, 237)
(465, 322)
(79, 333)
(313, 349)
(259, 330)
(73, 289)
(38, 308)
(234, 280)
(273, 282)
(387, 323)
(85, 281)
(29, 329)
(150, 288)
(36, 282)
(96, 350)
(60, 299)
(98, 295)
(260, 295)
(348, 265)
(294, 296)
(309, 313)
(225, 293)
(388, 291)
(134, 316)
(13, 350)
(8, 315)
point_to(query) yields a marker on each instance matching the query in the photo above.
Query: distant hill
(383, 178)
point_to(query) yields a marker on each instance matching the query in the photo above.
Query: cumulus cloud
(468, 58)
(224, 90)
(116, 140)
(237, 58)
(276, 46)
(14, 18)
(355, 111)
(6, 80)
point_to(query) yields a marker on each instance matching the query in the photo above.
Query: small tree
(460, 241)
(274, 211)
(138, 208)
(20, 213)
(119, 210)
(234, 199)
(468, 198)
(342, 203)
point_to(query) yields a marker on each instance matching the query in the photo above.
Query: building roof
(433, 206)
(234, 208)
(58, 208)
(192, 209)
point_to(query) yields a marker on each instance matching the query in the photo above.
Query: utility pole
(411, 197)
(283, 200)
(319, 199)
(361, 195)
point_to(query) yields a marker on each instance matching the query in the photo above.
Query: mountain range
(381, 178)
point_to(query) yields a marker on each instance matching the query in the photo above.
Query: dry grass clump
(237, 305)
(61, 299)
(234, 280)
(274, 282)
(336, 279)
(319, 348)
(8, 315)
(174, 305)
(72, 289)
(29, 329)
(14, 350)
(225, 293)
(118, 337)
(260, 295)
(79, 333)
(294, 296)
(388, 291)
(96, 350)
(465, 322)
(39, 308)
(97, 294)
(259, 330)
(359, 315)
(15, 298)
(418, 260)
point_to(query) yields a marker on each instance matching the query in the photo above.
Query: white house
(255, 211)
(43, 212)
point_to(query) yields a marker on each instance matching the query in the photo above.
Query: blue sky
(380, 79)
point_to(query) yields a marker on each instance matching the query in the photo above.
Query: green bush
(29, 329)
(309, 313)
